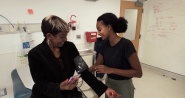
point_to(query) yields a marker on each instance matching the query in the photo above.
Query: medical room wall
(162, 42)
(15, 11)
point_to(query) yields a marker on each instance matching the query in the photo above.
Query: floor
(151, 85)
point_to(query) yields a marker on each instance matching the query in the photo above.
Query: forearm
(127, 73)
(52, 89)
(93, 82)
(92, 68)
(49, 88)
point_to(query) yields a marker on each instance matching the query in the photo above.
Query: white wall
(165, 52)
(86, 12)
(16, 10)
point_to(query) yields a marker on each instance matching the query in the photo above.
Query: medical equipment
(72, 23)
(80, 64)
(91, 36)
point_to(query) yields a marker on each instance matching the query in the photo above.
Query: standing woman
(118, 54)
(52, 64)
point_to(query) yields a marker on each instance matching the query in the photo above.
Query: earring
(48, 42)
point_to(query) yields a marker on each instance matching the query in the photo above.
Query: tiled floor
(153, 85)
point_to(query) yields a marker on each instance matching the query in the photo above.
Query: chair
(20, 91)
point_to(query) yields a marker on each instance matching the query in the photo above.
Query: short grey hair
(54, 24)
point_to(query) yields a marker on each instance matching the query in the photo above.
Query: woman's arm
(131, 56)
(88, 77)
(99, 61)
(136, 70)
(43, 86)
(93, 82)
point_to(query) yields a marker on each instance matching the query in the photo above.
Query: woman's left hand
(103, 69)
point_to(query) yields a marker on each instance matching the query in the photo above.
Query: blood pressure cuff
(80, 64)
(88, 77)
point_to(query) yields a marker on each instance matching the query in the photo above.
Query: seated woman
(52, 64)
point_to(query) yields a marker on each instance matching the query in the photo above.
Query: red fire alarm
(30, 11)
(91, 36)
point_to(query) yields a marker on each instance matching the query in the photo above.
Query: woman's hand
(70, 86)
(103, 69)
(111, 93)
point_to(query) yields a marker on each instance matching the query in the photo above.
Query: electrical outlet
(1, 28)
(3, 92)
(78, 36)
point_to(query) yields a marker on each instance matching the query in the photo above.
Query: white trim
(164, 72)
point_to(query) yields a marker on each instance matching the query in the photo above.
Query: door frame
(131, 5)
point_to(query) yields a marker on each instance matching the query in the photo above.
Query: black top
(47, 71)
(117, 56)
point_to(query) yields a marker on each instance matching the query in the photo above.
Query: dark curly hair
(119, 25)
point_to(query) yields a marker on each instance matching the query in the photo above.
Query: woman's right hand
(70, 86)
(111, 93)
